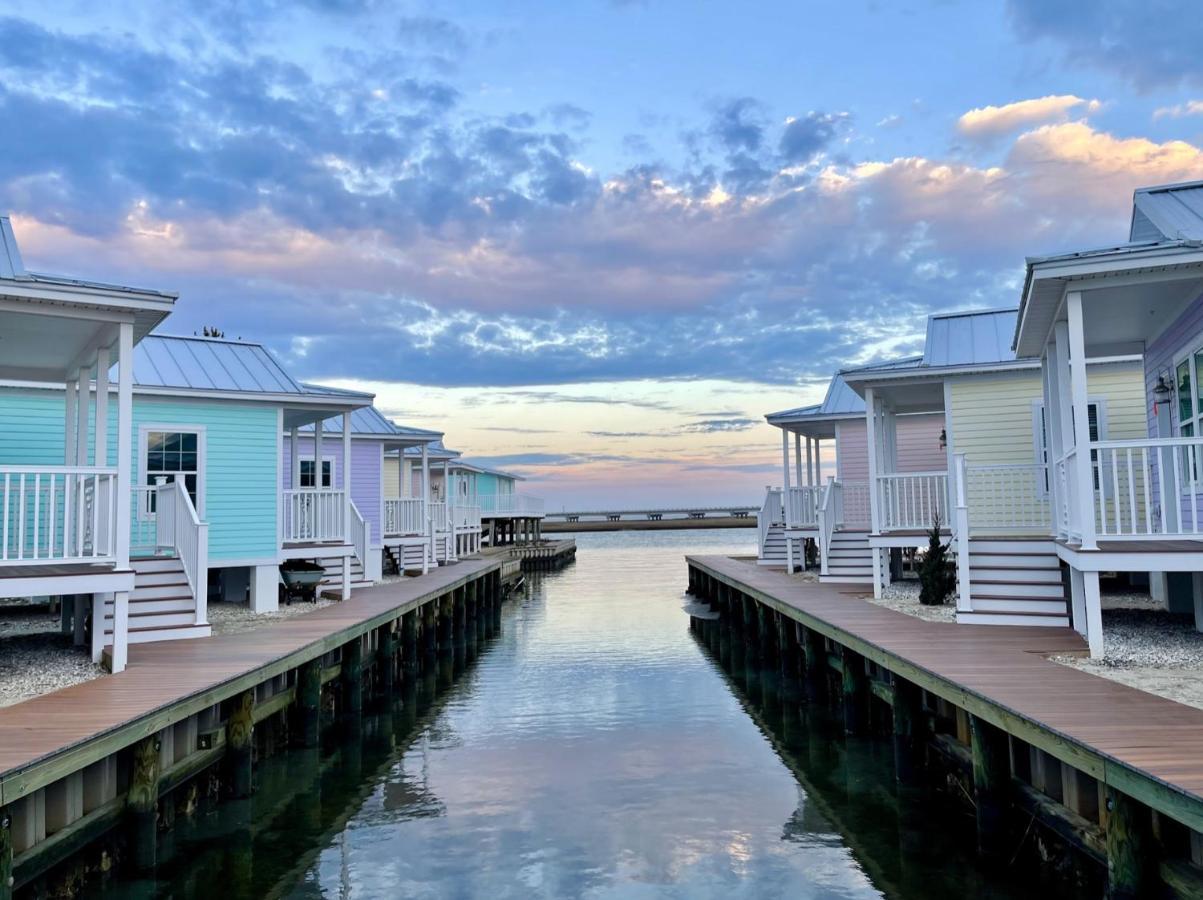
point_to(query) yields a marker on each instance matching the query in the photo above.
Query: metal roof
(10, 256)
(435, 450)
(210, 364)
(840, 399)
(969, 338)
(1168, 212)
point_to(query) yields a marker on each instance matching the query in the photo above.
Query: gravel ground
(1148, 648)
(903, 597)
(231, 618)
(35, 658)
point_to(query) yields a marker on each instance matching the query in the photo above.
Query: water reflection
(592, 747)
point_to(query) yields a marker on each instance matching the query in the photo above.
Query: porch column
(451, 488)
(1081, 424)
(798, 457)
(346, 592)
(101, 441)
(294, 458)
(1052, 436)
(69, 423)
(871, 438)
(319, 438)
(81, 412)
(125, 450)
(426, 508)
(811, 462)
(785, 488)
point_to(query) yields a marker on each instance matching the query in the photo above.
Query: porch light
(943, 439)
(1162, 390)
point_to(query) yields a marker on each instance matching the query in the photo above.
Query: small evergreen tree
(937, 577)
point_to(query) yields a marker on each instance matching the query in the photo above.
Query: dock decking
(48, 736)
(1147, 747)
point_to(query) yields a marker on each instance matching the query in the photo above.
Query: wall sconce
(1162, 391)
(943, 439)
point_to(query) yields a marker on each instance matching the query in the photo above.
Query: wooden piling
(387, 657)
(991, 788)
(352, 676)
(816, 662)
(855, 686)
(409, 640)
(908, 727)
(6, 854)
(309, 702)
(1130, 862)
(240, 727)
(142, 802)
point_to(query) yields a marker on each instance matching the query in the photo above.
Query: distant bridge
(679, 517)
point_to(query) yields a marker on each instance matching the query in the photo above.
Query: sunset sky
(593, 242)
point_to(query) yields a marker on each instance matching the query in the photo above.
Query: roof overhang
(1129, 296)
(817, 425)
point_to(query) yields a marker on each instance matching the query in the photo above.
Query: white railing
(438, 517)
(403, 515)
(467, 518)
(313, 516)
(770, 514)
(360, 534)
(960, 530)
(1009, 498)
(1147, 487)
(57, 514)
(164, 519)
(855, 509)
(1065, 477)
(830, 511)
(910, 501)
(510, 505)
(802, 507)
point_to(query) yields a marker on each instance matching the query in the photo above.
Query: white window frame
(1187, 355)
(312, 458)
(1040, 451)
(144, 431)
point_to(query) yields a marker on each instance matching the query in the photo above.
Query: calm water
(594, 748)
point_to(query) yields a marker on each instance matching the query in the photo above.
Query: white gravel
(35, 657)
(231, 618)
(903, 597)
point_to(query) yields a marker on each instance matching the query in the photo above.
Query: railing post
(202, 574)
(962, 535)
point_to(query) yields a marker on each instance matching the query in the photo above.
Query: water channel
(593, 747)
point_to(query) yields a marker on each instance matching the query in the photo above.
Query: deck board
(162, 674)
(1152, 737)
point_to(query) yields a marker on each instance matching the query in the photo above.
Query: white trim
(312, 458)
(201, 455)
(242, 563)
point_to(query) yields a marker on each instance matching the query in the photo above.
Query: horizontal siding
(991, 418)
(1121, 385)
(1160, 353)
(391, 477)
(919, 443)
(240, 457)
(852, 452)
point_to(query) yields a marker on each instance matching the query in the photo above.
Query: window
(1189, 409)
(173, 456)
(1097, 418)
(309, 466)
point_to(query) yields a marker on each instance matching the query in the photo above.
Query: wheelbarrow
(299, 581)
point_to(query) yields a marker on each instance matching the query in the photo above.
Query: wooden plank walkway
(1146, 746)
(46, 737)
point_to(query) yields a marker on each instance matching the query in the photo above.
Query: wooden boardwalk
(1145, 746)
(48, 736)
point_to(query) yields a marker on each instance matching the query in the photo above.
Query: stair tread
(1018, 599)
(1024, 613)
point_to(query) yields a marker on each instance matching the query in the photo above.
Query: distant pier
(652, 519)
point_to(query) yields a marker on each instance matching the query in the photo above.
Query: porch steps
(773, 552)
(849, 559)
(1015, 581)
(332, 580)
(161, 606)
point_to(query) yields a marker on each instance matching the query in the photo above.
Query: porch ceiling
(36, 347)
(906, 396)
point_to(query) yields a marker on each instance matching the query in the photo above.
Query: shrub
(937, 574)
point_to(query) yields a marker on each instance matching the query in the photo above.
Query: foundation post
(1129, 849)
(991, 788)
(142, 800)
(388, 657)
(240, 727)
(352, 675)
(309, 693)
(908, 727)
(816, 663)
(6, 854)
(409, 640)
(855, 685)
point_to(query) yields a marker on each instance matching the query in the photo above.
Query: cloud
(803, 137)
(990, 122)
(1151, 44)
(710, 426)
(1189, 108)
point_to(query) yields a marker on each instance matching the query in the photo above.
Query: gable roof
(969, 338)
(840, 399)
(1167, 212)
(211, 364)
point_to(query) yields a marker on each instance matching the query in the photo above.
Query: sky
(593, 242)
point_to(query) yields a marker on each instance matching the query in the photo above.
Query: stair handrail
(960, 527)
(766, 515)
(829, 503)
(190, 540)
(361, 533)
